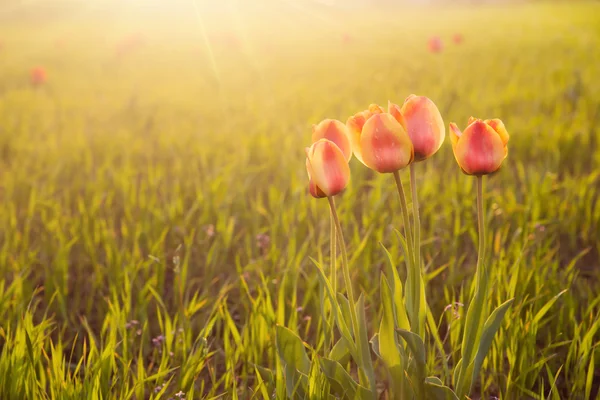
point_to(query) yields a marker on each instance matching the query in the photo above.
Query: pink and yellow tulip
(423, 123)
(337, 132)
(379, 140)
(482, 147)
(327, 167)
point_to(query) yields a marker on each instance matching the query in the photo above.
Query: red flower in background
(458, 38)
(38, 76)
(435, 44)
(346, 38)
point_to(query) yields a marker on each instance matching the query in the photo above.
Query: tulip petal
(425, 125)
(375, 109)
(455, 133)
(337, 132)
(314, 190)
(328, 167)
(385, 145)
(394, 110)
(499, 127)
(355, 125)
(479, 150)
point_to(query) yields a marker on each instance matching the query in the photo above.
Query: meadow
(155, 221)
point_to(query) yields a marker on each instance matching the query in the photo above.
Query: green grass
(136, 193)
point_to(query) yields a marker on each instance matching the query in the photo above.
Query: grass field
(155, 221)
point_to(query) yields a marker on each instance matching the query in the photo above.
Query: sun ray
(242, 32)
(207, 44)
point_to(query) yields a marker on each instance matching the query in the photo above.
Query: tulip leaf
(340, 322)
(327, 324)
(366, 360)
(436, 390)
(433, 330)
(375, 345)
(340, 352)
(487, 336)
(342, 383)
(417, 348)
(265, 373)
(388, 342)
(408, 300)
(471, 333)
(345, 308)
(296, 363)
(401, 317)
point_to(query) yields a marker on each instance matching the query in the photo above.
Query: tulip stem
(353, 316)
(417, 251)
(410, 257)
(475, 313)
(332, 270)
(481, 222)
(404, 207)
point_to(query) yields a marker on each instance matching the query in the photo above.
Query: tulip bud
(337, 132)
(423, 122)
(380, 141)
(327, 167)
(355, 125)
(481, 148)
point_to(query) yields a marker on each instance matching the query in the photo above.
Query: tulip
(335, 131)
(327, 167)
(423, 123)
(355, 125)
(481, 147)
(458, 38)
(435, 44)
(38, 76)
(380, 141)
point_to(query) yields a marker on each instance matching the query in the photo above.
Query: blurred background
(152, 169)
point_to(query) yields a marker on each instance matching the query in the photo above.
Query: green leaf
(367, 363)
(433, 330)
(340, 352)
(589, 381)
(291, 351)
(265, 373)
(417, 348)
(342, 383)
(375, 344)
(471, 334)
(398, 295)
(434, 380)
(345, 308)
(436, 390)
(340, 322)
(388, 342)
(487, 336)
(540, 314)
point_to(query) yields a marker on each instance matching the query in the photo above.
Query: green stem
(350, 292)
(417, 251)
(404, 208)
(332, 270)
(481, 222)
(475, 317)
(413, 310)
